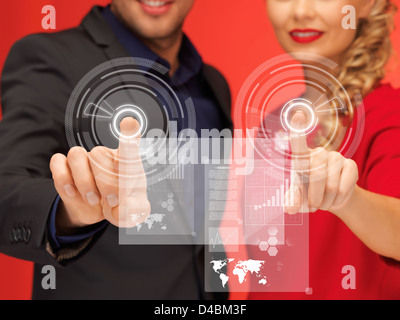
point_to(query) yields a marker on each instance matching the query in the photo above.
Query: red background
(233, 35)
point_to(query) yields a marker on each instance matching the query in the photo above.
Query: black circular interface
(129, 87)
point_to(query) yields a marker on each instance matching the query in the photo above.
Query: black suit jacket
(39, 75)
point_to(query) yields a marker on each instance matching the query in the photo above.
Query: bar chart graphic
(277, 199)
(175, 173)
(265, 193)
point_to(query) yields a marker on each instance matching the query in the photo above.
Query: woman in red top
(358, 199)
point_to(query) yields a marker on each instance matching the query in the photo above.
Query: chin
(307, 50)
(156, 34)
(151, 30)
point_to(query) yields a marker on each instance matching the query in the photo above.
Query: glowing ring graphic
(134, 87)
(286, 111)
(126, 111)
(276, 88)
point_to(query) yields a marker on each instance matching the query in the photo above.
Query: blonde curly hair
(362, 67)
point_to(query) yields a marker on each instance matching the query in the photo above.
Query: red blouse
(331, 244)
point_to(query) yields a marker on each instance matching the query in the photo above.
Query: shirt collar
(190, 62)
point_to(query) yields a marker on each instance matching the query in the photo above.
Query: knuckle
(314, 163)
(144, 206)
(354, 167)
(75, 153)
(331, 189)
(55, 160)
(314, 199)
(335, 156)
(351, 163)
(97, 151)
(321, 152)
(101, 157)
(312, 203)
(61, 177)
(318, 160)
(86, 181)
(56, 157)
(317, 175)
(106, 185)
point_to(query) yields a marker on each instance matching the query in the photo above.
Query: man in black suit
(48, 216)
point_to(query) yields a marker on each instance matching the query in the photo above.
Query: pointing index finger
(131, 172)
(298, 140)
(129, 139)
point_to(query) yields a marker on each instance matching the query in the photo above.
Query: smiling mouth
(306, 36)
(154, 3)
(155, 7)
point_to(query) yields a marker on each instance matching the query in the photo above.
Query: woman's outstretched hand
(320, 180)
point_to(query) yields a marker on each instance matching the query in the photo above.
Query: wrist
(346, 206)
(65, 225)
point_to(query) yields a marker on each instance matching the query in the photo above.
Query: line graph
(219, 238)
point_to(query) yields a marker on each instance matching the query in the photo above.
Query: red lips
(306, 35)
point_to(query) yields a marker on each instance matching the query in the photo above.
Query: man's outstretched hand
(102, 184)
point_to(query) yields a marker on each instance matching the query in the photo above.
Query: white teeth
(154, 3)
(305, 34)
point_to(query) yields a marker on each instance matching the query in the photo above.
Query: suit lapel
(220, 89)
(101, 33)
